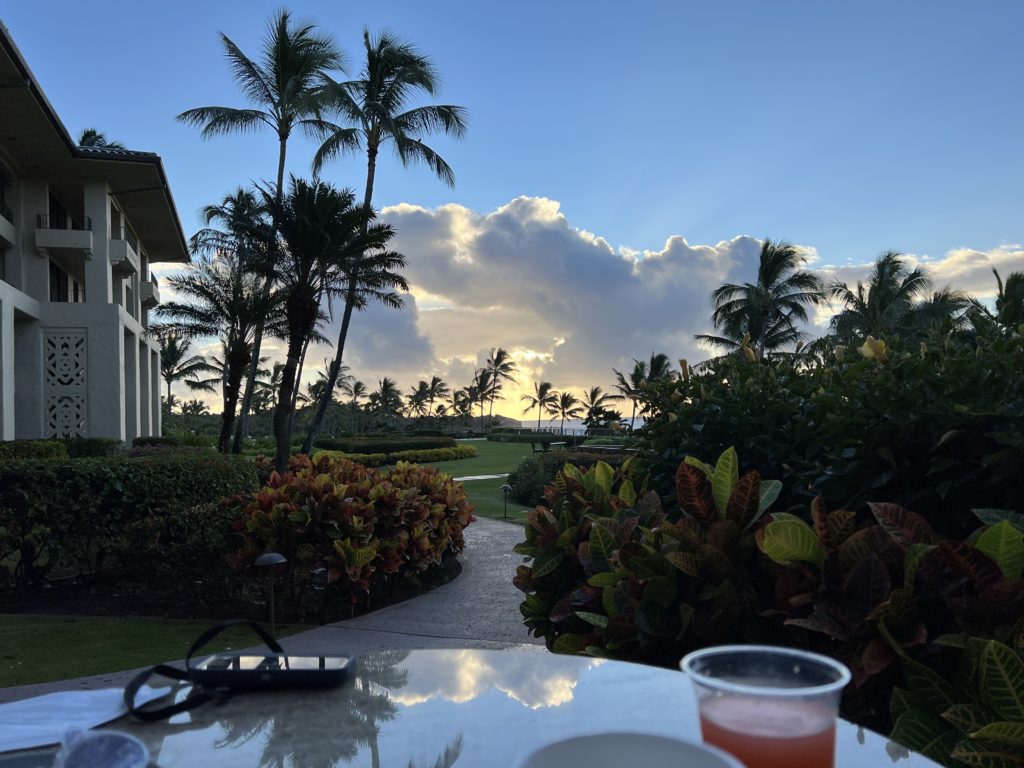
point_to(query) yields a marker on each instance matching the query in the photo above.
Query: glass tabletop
(447, 707)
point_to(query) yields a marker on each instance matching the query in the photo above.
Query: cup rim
(687, 665)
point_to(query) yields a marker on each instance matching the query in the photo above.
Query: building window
(58, 284)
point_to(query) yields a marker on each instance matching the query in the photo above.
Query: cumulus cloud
(568, 304)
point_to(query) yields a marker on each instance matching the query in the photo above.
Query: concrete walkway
(479, 609)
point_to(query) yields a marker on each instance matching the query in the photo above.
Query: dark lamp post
(270, 560)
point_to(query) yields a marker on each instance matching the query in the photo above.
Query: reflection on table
(448, 708)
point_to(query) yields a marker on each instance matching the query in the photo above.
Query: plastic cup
(769, 707)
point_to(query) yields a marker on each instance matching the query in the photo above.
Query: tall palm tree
(175, 362)
(368, 273)
(90, 137)
(770, 309)
(218, 298)
(566, 406)
(502, 368)
(417, 400)
(885, 305)
(386, 400)
(376, 111)
(543, 397)
(355, 391)
(311, 220)
(482, 389)
(286, 87)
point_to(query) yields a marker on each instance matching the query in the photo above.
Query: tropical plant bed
(211, 599)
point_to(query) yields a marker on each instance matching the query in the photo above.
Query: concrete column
(98, 279)
(145, 413)
(29, 401)
(154, 385)
(106, 379)
(6, 369)
(131, 387)
(35, 276)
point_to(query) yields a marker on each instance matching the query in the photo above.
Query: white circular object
(630, 750)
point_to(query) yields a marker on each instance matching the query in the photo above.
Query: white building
(79, 229)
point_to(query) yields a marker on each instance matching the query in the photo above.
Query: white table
(492, 706)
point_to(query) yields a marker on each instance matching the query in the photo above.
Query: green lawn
(488, 500)
(492, 458)
(38, 649)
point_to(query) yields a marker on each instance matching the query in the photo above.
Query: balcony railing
(65, 221)
(126, 234)
(7, 213)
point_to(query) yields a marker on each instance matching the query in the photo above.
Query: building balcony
(67, 233)
(149, 293)
(123, 257)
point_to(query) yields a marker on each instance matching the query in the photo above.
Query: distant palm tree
(194, 408)
(175, 362)
(596, 405)
(355, 391)
(771, 309)
(481, 390)
(437, 389)
(90, 137)
(629, 385)
(566, 406)
(417, 401)
(885, 305)
(386, 401)
(502, 366)
(543, 397)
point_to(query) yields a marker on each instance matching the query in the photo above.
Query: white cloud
(568, 304)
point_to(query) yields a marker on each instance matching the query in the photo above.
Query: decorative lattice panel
(65, 359)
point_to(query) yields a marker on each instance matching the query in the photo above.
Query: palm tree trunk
(257, 342)
(632, 419)
(234, 362)
(282, 420)
(538, 417)
(335, 368)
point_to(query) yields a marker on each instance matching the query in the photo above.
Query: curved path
(479, 609)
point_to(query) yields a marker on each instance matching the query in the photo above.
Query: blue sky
(850, 128)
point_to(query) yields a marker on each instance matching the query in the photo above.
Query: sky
(622, 159)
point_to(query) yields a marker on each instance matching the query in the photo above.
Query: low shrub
(345, 527)
(90, 447)
(167, 441)
(540, 438)
(382, 444)
(615, 572)
(14, 450)
(938, 428)
(75, 514)
(609, 440)
(534, 473)
(189, 440)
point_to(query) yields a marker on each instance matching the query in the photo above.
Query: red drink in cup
(769, 707)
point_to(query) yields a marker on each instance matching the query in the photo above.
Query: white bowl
(628, 750)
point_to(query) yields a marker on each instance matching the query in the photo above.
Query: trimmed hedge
(346, 528)
(382, 445)
(167, 441)
(91, 447)
(546, 438)
(416, 457)
(78, 515)
(535, 473)
(14, 450)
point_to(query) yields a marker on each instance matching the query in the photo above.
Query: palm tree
(375, 106)
(1010, 299)
(218, 298)
(368, 272)
(482, 389)
(311, 220)
(629, 385)
(770, 309)
(386, 401)
(885, 305)
(175, 362)
(437, 389)
(543, 397)
(354, 390)
(418, 398)
(565, 406)
(90, 137)
(501, 366)
(194, 408)
(286, 86)
(597, 407)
